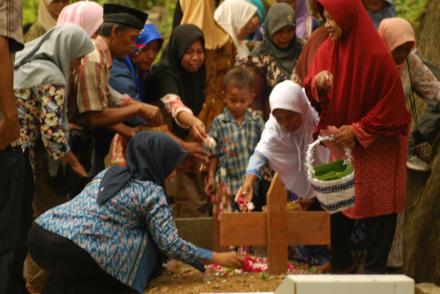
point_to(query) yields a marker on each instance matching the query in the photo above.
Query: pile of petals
(244, 205)
(254, 264)
(251, 264)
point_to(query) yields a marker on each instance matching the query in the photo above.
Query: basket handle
(310, 153)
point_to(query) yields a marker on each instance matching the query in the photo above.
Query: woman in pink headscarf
(86, 14)
(400, 39)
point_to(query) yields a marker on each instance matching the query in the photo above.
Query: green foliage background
(30, 7)
(409, 9)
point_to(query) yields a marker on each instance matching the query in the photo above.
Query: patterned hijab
(149, 156)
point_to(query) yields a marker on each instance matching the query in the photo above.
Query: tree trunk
(422, 226)
(429, 32)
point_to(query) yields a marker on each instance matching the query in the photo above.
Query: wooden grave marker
(275, 228)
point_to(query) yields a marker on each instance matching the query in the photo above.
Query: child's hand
(227, 259)
(210, 187)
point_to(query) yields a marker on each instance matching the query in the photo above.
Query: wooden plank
(216, 234)
(308, 228)
(277, 227)
(243, 228)
(303, 227)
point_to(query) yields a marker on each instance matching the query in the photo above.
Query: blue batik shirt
(116, 234)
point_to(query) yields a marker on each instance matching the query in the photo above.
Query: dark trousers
(71, 270)
(103, 139)
(380, 233)
(16, 192)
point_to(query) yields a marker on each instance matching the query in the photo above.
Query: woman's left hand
(345, 136)
(227, 259)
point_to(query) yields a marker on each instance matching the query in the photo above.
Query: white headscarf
(44, 17)
(286, 151)
(232, 16)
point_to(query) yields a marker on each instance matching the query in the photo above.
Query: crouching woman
(111, 237)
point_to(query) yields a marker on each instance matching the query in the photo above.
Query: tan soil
(179, 278)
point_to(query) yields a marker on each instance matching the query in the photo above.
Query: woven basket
(334, 195)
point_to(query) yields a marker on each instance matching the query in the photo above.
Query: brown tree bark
(429, 32)
(422, 226)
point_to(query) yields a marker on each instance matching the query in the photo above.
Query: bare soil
(179, 278)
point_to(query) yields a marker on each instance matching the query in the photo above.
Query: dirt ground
(180, 278)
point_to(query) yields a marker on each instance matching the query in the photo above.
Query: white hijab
(44, 17)
(232, 16)
(286, 151)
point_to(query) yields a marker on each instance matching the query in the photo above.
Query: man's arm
(111, 116)
(9, 128)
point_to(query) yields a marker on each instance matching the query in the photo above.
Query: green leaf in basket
(325, 168)
(348, 170)
(339, 171)
(330, 176)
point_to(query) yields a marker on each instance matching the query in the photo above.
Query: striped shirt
(93, 76)
(11, 22)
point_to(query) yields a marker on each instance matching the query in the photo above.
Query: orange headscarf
(396, 31)
(201, 14)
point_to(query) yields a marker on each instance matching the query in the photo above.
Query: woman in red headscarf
(357, 89)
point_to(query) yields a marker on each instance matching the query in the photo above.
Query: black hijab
(150, 157)
(169, 77)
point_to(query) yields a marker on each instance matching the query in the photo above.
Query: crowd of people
(97, 139)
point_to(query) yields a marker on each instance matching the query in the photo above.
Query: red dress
(367, 94)
(380, 175)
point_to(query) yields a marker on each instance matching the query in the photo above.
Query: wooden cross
(276, 228)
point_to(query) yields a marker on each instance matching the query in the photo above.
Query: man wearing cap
(95, 99)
